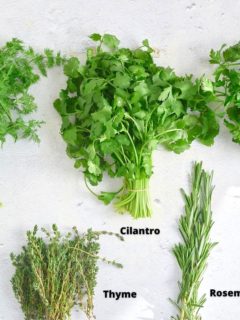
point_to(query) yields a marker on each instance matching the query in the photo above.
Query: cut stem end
(135, 198)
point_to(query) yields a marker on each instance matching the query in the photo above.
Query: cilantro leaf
(107, 197)
(70, 135)
(71, 67)
(95, 37)
(110, 41)
(207, 85)
(232, 53)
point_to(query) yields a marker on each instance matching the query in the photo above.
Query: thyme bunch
(57, 273)
(195, 226)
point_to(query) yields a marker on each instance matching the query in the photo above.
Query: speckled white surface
(38, 184)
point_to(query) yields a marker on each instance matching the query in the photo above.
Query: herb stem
(7, 113)
(89, 189)
(167, 131)
(192, 254)
(135, 198)
(133, 145)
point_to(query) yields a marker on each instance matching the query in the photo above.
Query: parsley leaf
(21, 67)
(227, 86)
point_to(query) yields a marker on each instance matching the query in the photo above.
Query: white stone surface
(38, 184)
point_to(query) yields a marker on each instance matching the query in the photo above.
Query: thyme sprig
(55, 274)
(195, 226)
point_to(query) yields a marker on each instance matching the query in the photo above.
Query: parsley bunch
(19, 69)
(116, 109)
(54, 275)
(227, 85)
(192, 254)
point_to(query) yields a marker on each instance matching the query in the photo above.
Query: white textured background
(38, 183)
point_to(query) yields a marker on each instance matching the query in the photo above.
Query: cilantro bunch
(227, 85)
(20, 67)
(116, 109)
(54, 273)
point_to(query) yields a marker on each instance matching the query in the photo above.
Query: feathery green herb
(55, 274)
(227, 85)
(192, 254)
(116, 109)
(19, 69)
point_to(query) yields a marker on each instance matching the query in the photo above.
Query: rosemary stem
(192, 253)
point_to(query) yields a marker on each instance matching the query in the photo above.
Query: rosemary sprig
(54, 274)
(192, 254)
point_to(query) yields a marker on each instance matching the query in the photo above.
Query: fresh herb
(55, 275)
(116, 109)
(19, 69)
(227, 85)
(192, 254)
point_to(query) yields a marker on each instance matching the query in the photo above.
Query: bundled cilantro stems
(20, 67)
(55, 274)
(192, 254)
(116, 109)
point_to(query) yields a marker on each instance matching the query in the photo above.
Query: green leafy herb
(192, 254)
(18, 71)
(53, 276)
(227, 85)
(116, 109)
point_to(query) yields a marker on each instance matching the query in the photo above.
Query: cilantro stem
(136, 124)
(155, 137)
(167, 131)
(135, 198)
(127, 160)
(89, 189)
(100, 195)
(119, 158)
(133, 145)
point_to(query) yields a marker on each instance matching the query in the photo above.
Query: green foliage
(116, 109)
(227, 85)
(192, 254)
(55, 274)
(19, 69)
